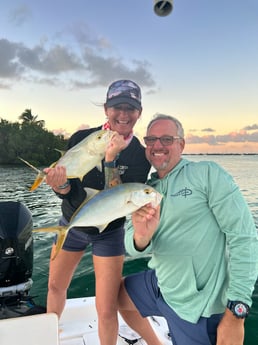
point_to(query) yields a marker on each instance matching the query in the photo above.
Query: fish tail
(38, 181)
(61, 232)
(57, 229)
(59, 243)
(30, 165)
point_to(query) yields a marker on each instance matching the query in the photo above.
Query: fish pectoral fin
(91, 192)
(99, 166)
(62, 152)
(102, 227)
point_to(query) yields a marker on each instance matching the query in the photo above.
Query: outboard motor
(16, 244)
(16, 259)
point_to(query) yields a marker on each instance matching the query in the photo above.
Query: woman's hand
(56, 177)
(115, 146)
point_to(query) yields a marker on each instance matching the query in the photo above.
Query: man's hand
(145, 222)
(230, 330)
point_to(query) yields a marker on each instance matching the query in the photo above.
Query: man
(204, 248)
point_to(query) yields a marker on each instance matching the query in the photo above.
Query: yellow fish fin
(30, 165)
(60, 241)
(38, 181)
(52, 165)
(56, 229)
(61, 232)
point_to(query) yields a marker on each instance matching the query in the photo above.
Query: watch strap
(238, 308)
(110, 164)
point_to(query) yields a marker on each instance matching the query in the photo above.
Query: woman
(124, 158)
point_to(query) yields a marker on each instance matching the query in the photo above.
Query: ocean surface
(45, 209)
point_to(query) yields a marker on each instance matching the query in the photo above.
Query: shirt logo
(183, 192)
(122, 169)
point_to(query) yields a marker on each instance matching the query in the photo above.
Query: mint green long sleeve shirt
(205, 249)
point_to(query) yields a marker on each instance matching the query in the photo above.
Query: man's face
(164, 156)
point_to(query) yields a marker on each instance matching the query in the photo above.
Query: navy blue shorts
(106, 243)
(143, 289)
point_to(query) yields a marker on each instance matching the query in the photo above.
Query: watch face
(240, 309)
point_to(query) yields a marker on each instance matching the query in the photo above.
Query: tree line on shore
(30, 140)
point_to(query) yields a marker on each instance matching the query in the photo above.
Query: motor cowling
(16, 244)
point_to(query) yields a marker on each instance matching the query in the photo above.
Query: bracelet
(65, 185)
(110, 164)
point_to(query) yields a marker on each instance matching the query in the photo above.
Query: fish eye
(147, 190)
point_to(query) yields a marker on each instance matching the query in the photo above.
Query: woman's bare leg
(108, 272)
(61, 271)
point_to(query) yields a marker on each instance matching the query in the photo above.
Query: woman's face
(122, 118)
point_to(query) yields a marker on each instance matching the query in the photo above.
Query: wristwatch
(238, 308)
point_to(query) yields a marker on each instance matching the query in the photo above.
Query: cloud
(19, 15)
(251, 128)
(83, 35)
(4, 86)
(54, 61)
(9, 66)
(61, 131)
(208, 130)
(214, 140)
(102, 70)
(61, 64)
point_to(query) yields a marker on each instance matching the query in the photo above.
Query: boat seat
(40, 329)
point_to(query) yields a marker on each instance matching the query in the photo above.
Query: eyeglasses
(165, 140)
(127, 109)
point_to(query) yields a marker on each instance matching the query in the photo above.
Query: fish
(79, 159)
(102, 207)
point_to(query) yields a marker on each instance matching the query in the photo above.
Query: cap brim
(118, 100)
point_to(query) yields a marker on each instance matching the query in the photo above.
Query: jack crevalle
(79, 159)
(106, 206)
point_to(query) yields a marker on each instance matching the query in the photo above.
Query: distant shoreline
(220, 154)
(183, 154)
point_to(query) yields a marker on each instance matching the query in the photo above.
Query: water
(45, 209)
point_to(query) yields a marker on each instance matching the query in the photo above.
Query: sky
(199, 64)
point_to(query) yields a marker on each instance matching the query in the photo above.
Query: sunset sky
(200, 64)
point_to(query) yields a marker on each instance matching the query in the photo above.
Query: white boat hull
(77, 326)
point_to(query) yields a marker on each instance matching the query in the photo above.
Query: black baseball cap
(124, 91)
